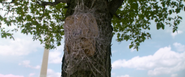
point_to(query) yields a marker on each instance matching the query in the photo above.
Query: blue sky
(161, 56)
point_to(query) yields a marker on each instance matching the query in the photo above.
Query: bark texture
(103, 18)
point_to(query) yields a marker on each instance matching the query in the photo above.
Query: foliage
(136, 16)
(34, 19)
(130, 23)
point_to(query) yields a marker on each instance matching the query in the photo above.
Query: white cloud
(174, 75)
(179, 47)
(55, 56)
(132, 49)
(124, 76)
(164, 61)
(175, 33)
(51, 73)
(10, 75)
(31, 75)
(26, 63)
(19, 46)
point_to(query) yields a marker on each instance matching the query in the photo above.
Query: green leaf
(134, 19)
(178, 10)
(170, 11)
(126, 37)
(130, 46)
(160, 25)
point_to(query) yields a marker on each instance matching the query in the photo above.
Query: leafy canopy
(136, 15)
(131, 21)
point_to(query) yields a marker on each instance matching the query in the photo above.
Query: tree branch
(64, 1)
(44, 3)
(114, 5)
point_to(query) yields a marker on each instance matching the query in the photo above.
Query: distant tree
(127, 19)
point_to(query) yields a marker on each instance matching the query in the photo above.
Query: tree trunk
(102, 63)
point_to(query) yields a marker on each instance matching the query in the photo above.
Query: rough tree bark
(104, 12)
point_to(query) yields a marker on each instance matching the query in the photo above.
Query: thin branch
(64, 1)
(44, 3)
(114, 5)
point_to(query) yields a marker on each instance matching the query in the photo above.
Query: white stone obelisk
(43, 72)
(44, 67)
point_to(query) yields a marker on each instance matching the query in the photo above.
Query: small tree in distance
(127, 19)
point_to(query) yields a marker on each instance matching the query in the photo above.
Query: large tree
(127, 19)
